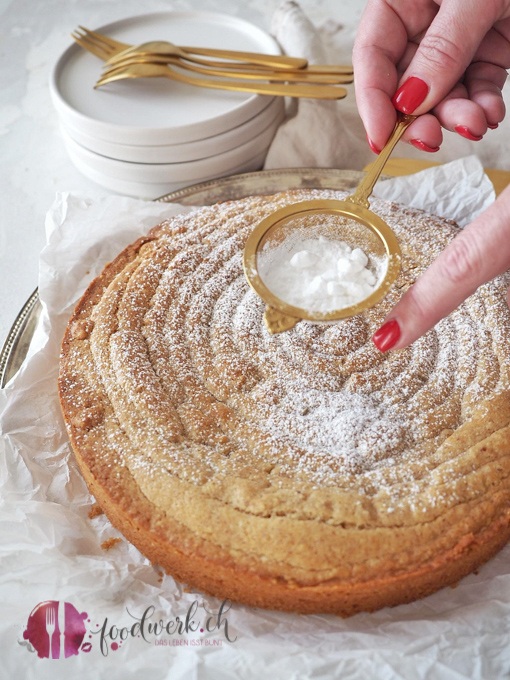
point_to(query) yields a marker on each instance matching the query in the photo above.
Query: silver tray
(18, 340)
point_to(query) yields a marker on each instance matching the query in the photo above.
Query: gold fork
(148, 70)
(105, 47)
(112, 51)
(274, 62)
(99, 45)
(299, 76)
(269, 60)
(161, 48)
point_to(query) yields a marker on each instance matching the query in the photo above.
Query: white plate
(190, 172)
(189, 151)
(156, 110)
(153, 190)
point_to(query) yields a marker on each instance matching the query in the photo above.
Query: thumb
(443, 54)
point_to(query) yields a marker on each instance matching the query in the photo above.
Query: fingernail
(493, 126)
(387, 336)
(373, 146)
(410, 95)
(464, 131)
(424, 147)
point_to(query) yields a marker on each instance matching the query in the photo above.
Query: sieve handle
(366, 186)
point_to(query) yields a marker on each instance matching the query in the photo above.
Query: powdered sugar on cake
(318, 402)
(354, 428)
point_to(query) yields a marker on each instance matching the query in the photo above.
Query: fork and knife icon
(56, 621)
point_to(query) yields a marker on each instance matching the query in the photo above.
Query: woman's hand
(479, 253)
(446, 62)
(448, 58)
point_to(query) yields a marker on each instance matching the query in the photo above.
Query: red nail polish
(424, 147)
(387, 336)
(464, 131)
(494, 126)
(410, 95)
(373, 146)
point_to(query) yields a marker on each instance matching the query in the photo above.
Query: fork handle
(274, 61)
(272, 89)
(249, 73)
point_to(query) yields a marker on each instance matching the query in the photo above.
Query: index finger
(478, 254)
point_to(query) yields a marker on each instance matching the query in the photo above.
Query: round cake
(302, 471)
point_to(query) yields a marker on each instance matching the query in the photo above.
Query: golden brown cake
(303, 471)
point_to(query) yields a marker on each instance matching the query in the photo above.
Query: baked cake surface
(303, 471)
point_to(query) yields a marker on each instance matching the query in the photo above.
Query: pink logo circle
(56, 630)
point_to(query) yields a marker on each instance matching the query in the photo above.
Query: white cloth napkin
(330, 134)
(317, 133)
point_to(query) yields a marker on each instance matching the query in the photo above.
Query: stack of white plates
(149, 137)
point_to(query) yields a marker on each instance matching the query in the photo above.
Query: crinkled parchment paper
(50, 549)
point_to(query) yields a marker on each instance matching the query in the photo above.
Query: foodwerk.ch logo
(57, 630)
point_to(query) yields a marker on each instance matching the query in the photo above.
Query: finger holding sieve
(324, 259)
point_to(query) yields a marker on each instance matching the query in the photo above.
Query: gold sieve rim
(281, 315)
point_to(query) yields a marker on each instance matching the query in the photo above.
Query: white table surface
(35, 164)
